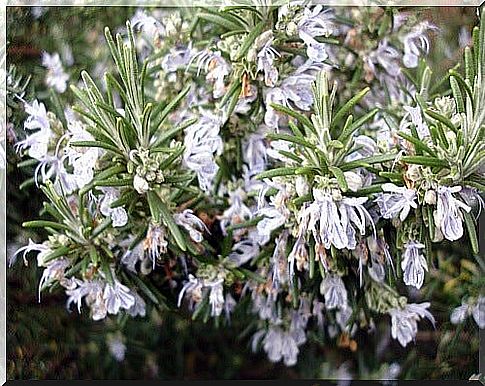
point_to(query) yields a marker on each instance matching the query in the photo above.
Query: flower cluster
(288, 160)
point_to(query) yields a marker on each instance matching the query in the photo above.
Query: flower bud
(414, 173)
(354, 181)
(292, 29)
(301, 186)
(430, 197)
(140, 184)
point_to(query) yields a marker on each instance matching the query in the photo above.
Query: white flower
(342, 317)
(354, 181)
(118, 215)
(193, 287)
(459, 314)
(216, 69)
(324, 221)
(447, 216)
(155, 243)
(387, 57)
(271, 116)
(176, 59)
(414, 264)
(278, 263)
(216, 298)
(318, 312)
(254, 153)
(265, 306)
(399, 201)
(404, 326)
(56, 77)
(116, 347)
(333, 289)
(229, 306)
(315, 22)
(41, 249)
(352, 211)
(280, 345)
(138, 308)
(132, 256)
(299, 254)
(477, 310)
(245, 250)
(295, 89)
(192, 224)
(92, 292)
(265, 63)
(415, 43)
(237, 212)
(301, 186)
(416, 119)
(140, 184)
(3, 158)
(202, 142)
(83, 160)
(37, 142)
(273, 219)
(3, 155)
(54, 270)
(117, 296)
(148, 24)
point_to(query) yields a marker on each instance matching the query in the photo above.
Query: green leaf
(110, 172)
(143, 288)
(233, 101)
(417, 143)
(171, 158)
(455, 88)
(346, 108)
(339, 175)
(295, 130)
(366, 162)
(169, 108)
(306, 170)
(278, 172)
(248, 42)
(292, 139)
(224, 21)
(290, 156)
(160, 212)
(233, 87)
(463, 84)
(125, 198)
(44, 224)
(114, 182)
(101, 227)
(170, 133)
(472, 233)
(424, 160)
(246, 224)
(102, 145)
(303, 119)
(252, 275)
(347, 132)
(391, 176)
(61, 251)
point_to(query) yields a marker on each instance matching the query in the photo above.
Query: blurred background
(45, 341)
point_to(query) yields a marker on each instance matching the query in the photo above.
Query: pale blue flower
(404, 326)
(414, 264)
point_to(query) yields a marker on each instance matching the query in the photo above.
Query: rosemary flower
(414, 264)
(404, 321)
(448, 217)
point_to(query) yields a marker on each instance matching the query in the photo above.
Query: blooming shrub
(299, 158)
